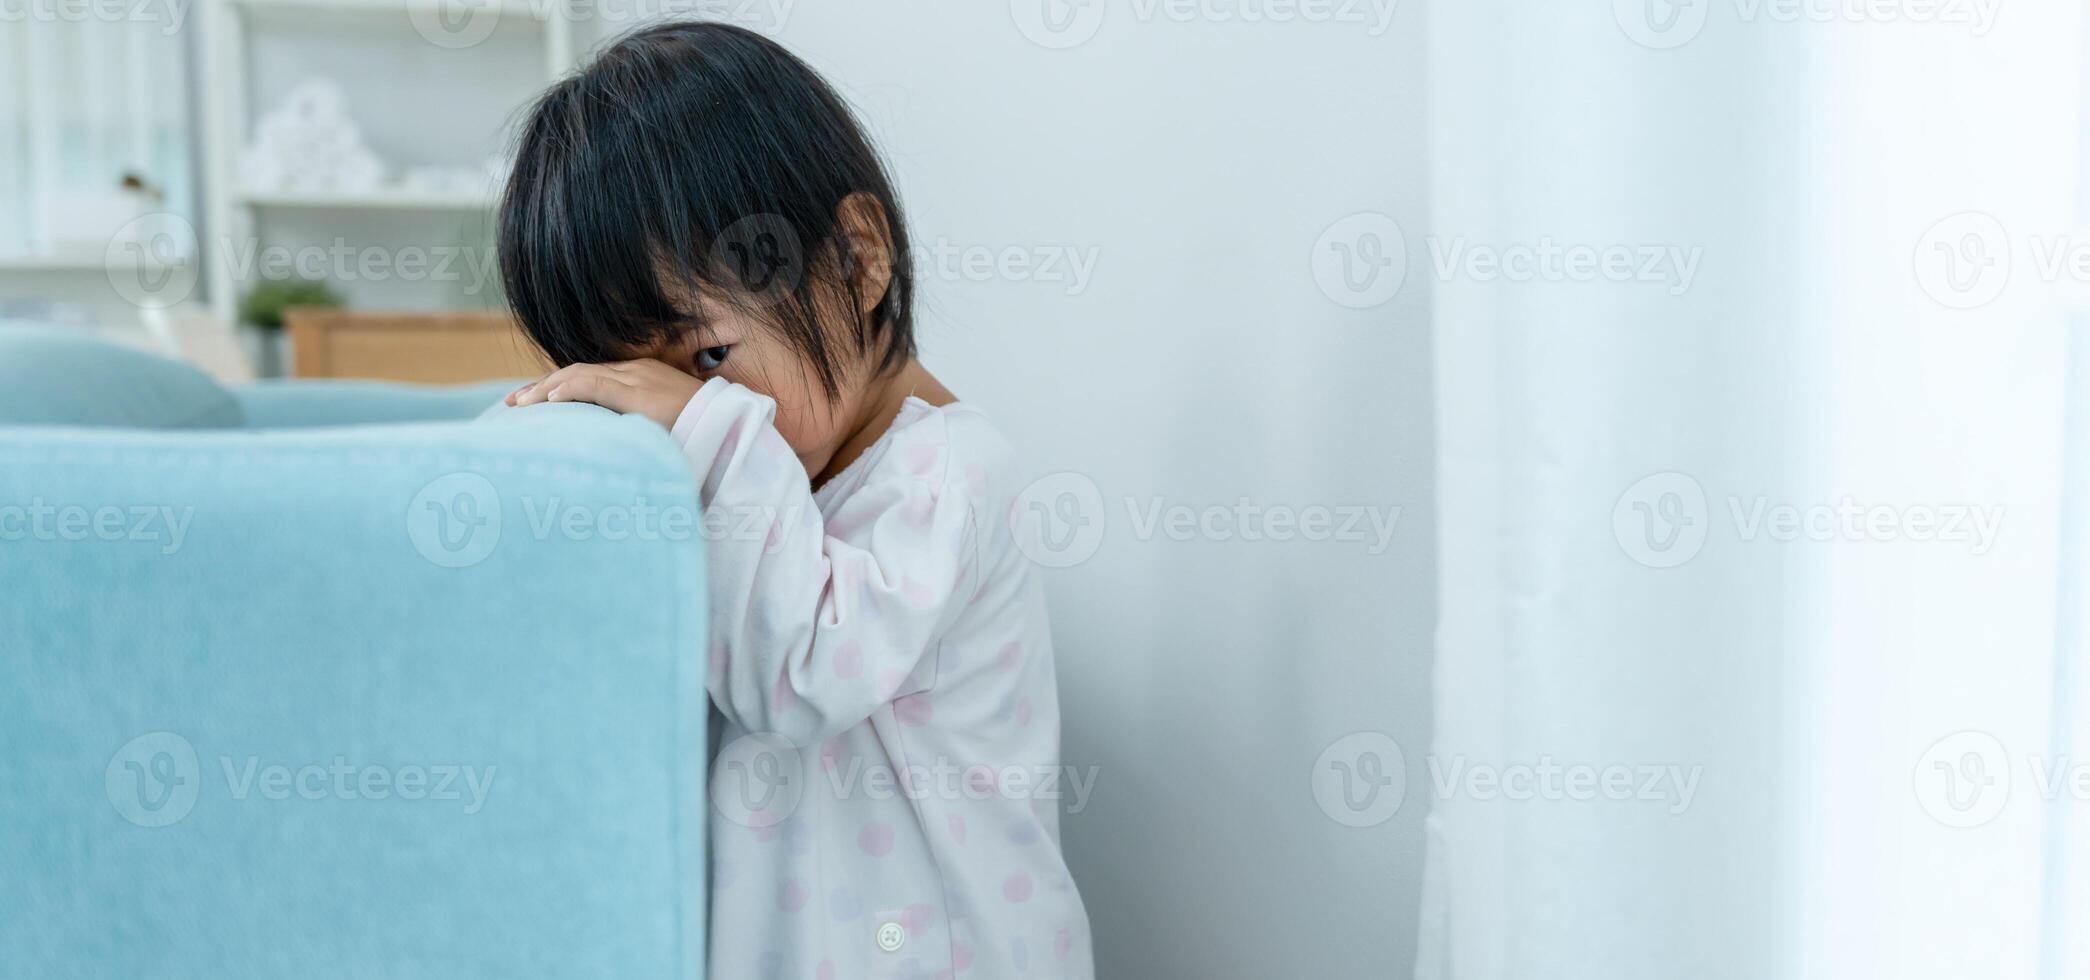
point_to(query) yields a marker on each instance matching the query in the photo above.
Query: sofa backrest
(411, 701)
(52, 376)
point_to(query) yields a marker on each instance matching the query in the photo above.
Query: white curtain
(1705, 529)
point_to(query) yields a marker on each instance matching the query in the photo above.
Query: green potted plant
(261, 312)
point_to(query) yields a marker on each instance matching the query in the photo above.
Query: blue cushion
(56, 377)
(179, 687)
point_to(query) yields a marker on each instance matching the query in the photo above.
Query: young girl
(698, 231)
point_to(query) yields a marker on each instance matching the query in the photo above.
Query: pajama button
(891, 936)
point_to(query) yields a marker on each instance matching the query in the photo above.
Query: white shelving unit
(226, 61)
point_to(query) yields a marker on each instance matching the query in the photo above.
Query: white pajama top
(886, 778)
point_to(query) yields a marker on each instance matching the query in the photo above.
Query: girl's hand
(649, 388)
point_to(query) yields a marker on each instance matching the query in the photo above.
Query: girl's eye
(712, 358)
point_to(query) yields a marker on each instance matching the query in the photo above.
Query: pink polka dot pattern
(917, 918)
(793, 897)
(1011, 655)
(825, 971)
(1017, 887)
(1023, 712)
(957, 824)
(913, 710)
(921, 459)
(1062, 944)
(876, 839)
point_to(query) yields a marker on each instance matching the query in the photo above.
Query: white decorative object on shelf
(248, 170)
(310, 144)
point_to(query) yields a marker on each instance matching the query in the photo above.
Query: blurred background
(1535, 489)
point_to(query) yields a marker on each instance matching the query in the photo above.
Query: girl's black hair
(696, 159)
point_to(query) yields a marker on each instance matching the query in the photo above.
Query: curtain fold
(1691, 500)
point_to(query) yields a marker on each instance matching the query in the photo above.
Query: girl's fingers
(596, 385)
(535, 393)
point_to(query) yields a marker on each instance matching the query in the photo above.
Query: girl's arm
(810, 634)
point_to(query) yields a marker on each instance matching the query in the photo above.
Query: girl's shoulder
(955, 449)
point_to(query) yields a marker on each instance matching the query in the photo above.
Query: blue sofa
(341, 680)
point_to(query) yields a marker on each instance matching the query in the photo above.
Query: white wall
(1202, 364)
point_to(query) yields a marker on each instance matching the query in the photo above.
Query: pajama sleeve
(812, 634)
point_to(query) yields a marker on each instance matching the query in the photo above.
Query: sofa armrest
(413, 701)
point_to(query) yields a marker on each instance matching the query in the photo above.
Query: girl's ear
(869, 264)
